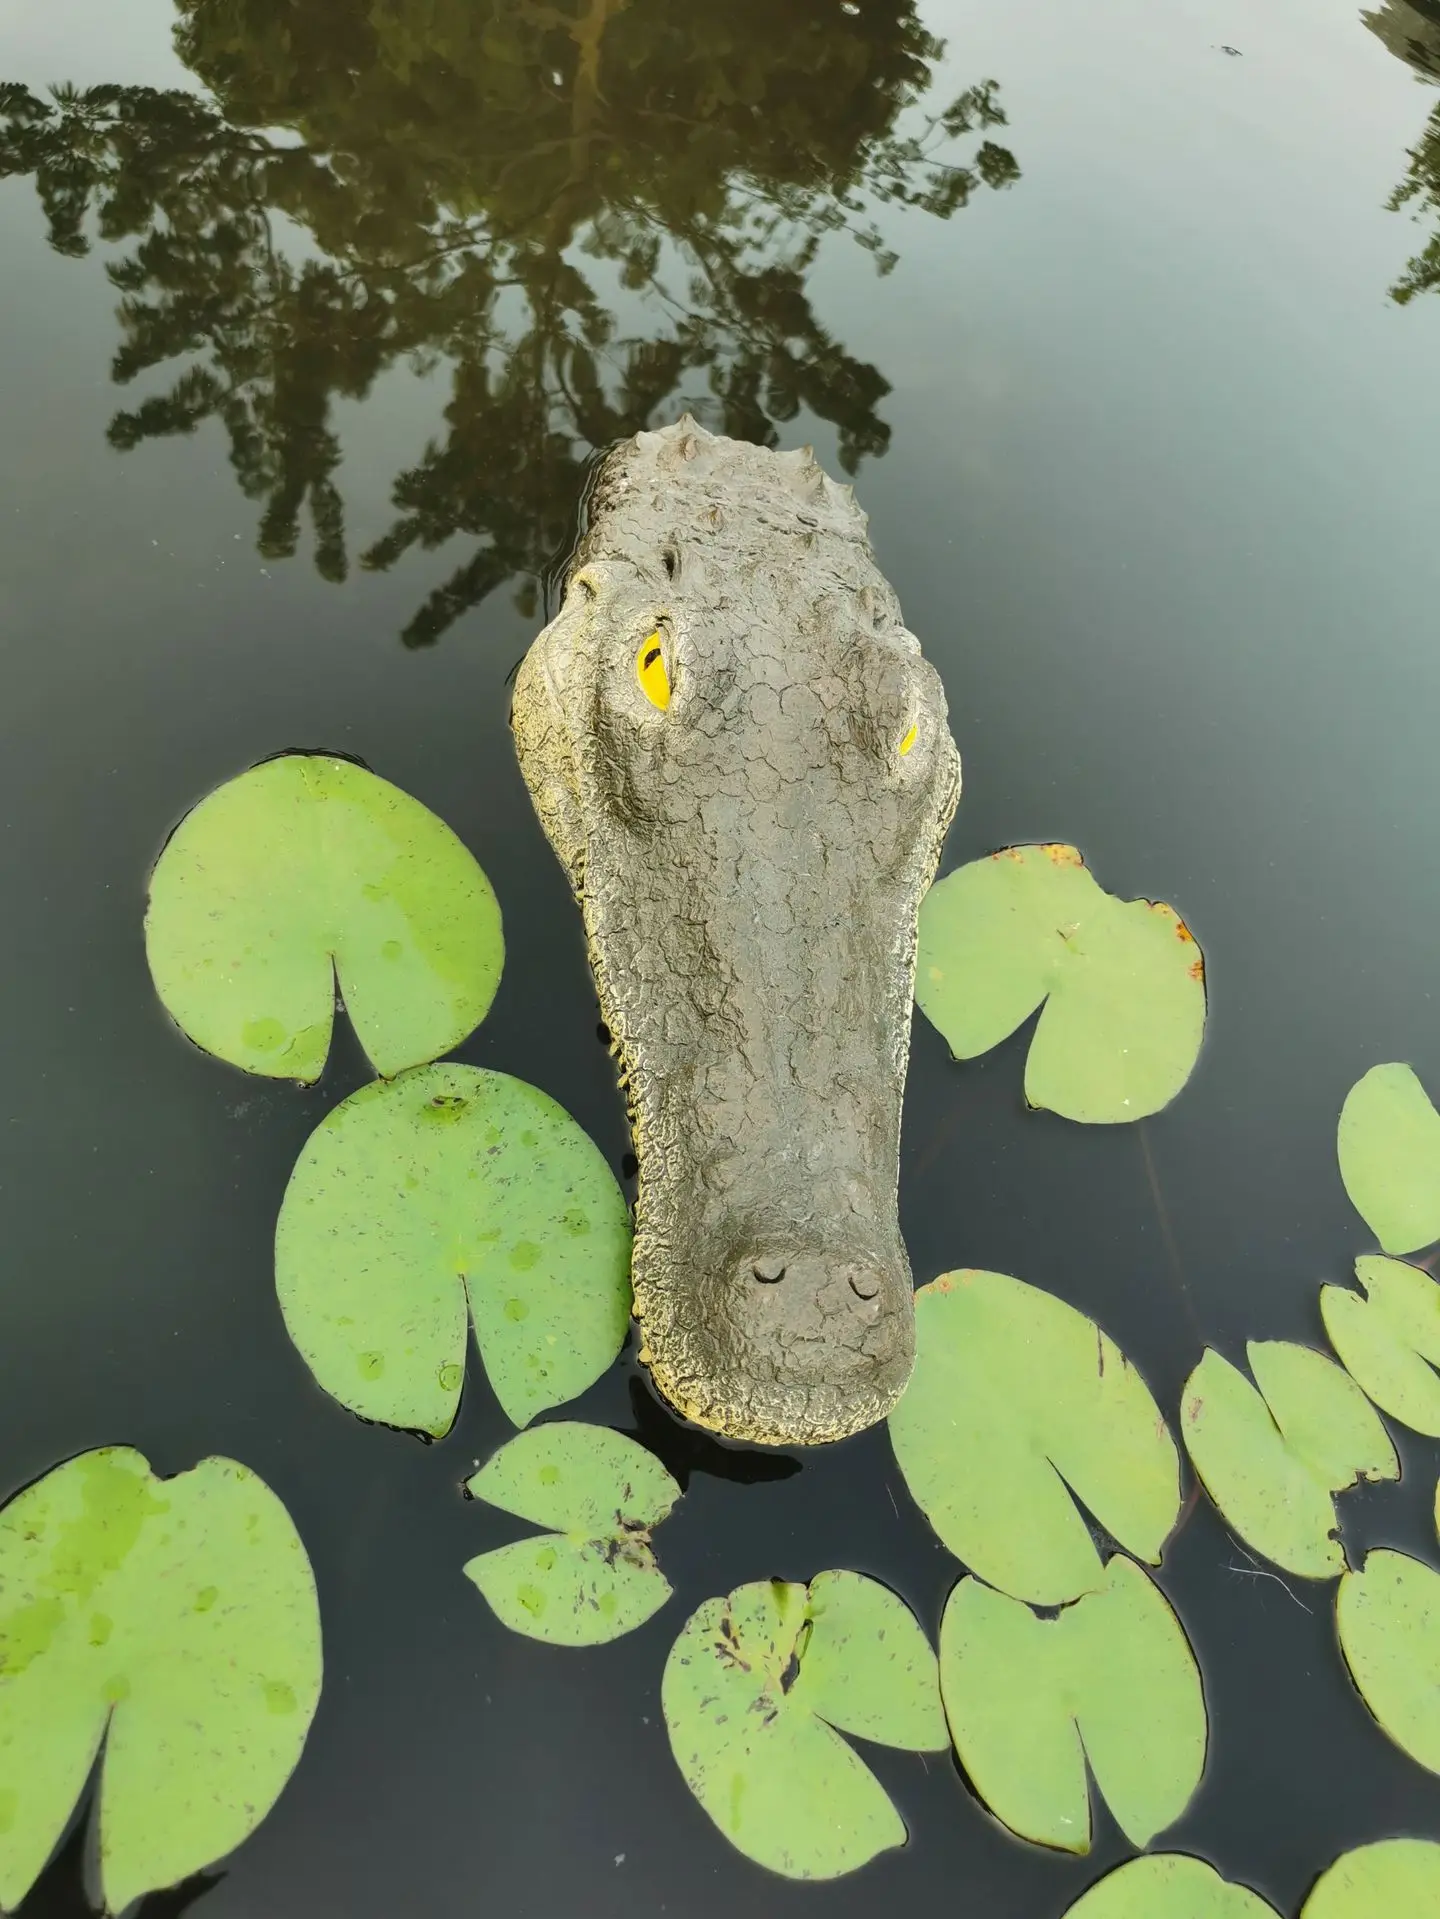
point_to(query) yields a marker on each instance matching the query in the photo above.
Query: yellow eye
(909, 739)
(650, 671)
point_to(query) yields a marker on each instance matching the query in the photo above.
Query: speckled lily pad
(173, 1619)
(304, 871)
(446, 1194)
(592, 1577)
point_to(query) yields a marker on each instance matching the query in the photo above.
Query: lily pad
(174, 1623)
(1392, 1879)
(755, 1688)
(1168, 1885)
(593, 1576)
(1015, 1399)
(1388, 1618)
(1111, 1679)
(1388, 1144)
(303, 871)
(1122, 982)
(446, 1190)
(1388, 1335)
(1273, 1464)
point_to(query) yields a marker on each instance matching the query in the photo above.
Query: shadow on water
(582, 214)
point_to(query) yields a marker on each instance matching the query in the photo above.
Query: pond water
(293, 438)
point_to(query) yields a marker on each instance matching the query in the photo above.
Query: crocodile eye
(650, 671)
(910, 738)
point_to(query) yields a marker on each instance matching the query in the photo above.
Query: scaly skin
(750, 863)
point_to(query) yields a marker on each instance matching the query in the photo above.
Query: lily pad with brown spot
(756, 1692)
(1122, 982)
(592, 1577)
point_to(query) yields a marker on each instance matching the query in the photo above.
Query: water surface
(310, 335)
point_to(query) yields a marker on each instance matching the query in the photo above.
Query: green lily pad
(593, 1576)
(1389, 1338)
(303, 871)
(1110, 1679)
(755, 1688)
(444, 1189)
(1122, 982)
(1388, 1143)
(1016, 1398)
(1273, 1464)
(1392, 1879)
(1388, 1618)
(174, 1621)
(1168, 1885)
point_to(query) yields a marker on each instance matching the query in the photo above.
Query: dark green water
(1152, 455)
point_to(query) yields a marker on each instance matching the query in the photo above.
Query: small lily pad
(1111, 1679)
(755, 1688)
(448, 1188)
(1388, 1618)
(306, 870)
(1388, 1143)
(1122, 982)
(1392, 1879)
(1016, 1398)
(1273, 1463)
(1388, 1335)
(1168, 1885)
(593, 1576)
(172, 1621)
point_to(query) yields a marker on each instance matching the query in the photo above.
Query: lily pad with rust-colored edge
(1273, 1459)
(449, 1191)
(1110, 1679)
(1388, 1336)
(1387, 1616)
(1168, 1885)
(305, 870)
(1388, 1143)
(1122, 982)
(754, 1690)
(1016, 1399)
(593, 1576)
(1391, 1879)
(172, 1621)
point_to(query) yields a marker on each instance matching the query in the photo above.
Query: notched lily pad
(172, 1621)
(1387, 1616)
(452, 1190)
(1015, 1400)
(755, 1688)
(1273, 1459)
(592, 1577)
(1392, 1879)
(1169, 1885)
(1388, 1336)
(1388, 1143)
(306, 870)
(1110, 1679)
(1122, 982)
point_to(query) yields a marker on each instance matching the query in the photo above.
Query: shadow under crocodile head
(743, 760)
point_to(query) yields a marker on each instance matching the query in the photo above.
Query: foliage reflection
(582, 212)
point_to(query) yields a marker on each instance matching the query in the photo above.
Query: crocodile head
(741, 757)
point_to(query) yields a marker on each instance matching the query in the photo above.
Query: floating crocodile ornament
(744, 763)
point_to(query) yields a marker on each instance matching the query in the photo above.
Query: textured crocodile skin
(749, 862)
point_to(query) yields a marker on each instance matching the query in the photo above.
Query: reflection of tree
(1411, 30)
(461, 181)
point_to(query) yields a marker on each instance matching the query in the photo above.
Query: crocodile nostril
(865, 1285)
(768, 1272)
